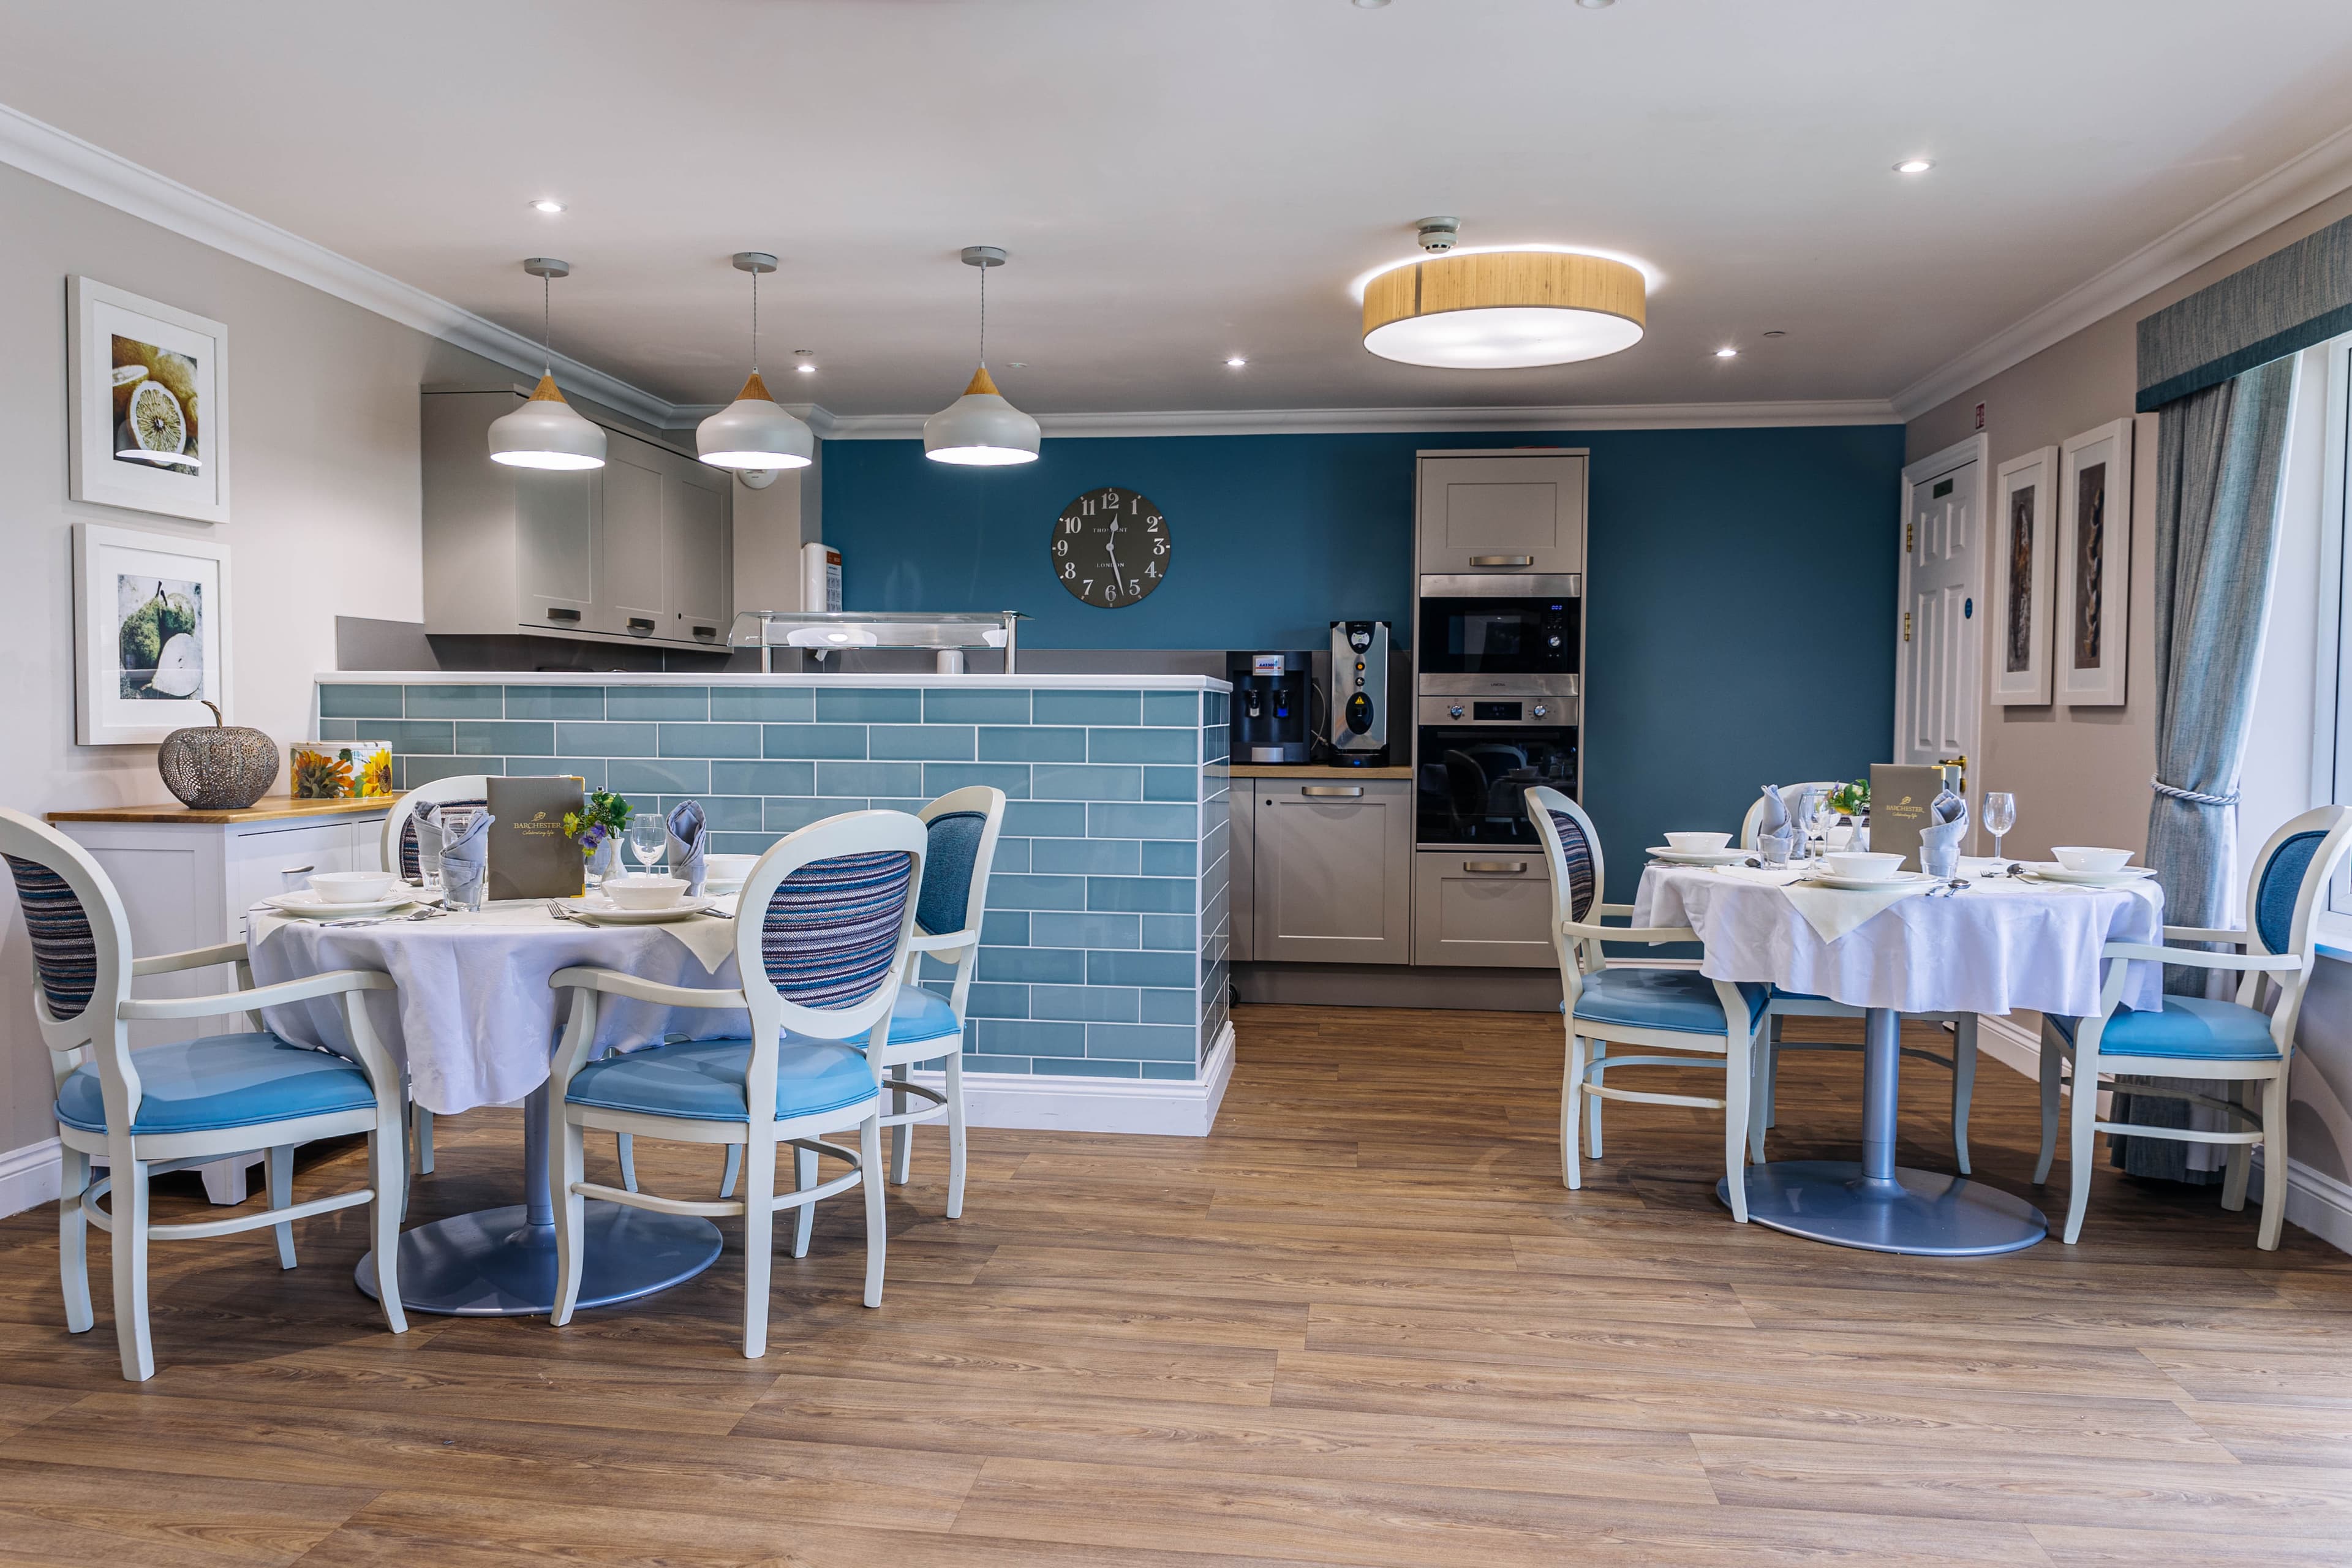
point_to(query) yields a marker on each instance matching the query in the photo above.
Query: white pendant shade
(981, 429)
(546, 433)
(754, 432)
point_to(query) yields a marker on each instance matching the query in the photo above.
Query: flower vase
(601, 861)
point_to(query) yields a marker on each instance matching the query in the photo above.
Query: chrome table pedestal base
(500, 1263)
(1876, 1204)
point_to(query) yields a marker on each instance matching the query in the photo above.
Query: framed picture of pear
(150, 634)
(148, 405)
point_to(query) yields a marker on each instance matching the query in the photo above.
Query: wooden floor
(1362, 1323)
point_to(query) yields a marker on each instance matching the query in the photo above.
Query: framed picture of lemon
(150, 623)
(149, 407)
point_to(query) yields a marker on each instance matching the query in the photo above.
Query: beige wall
(323, 521)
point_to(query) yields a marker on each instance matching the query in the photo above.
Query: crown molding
(59, 157)
(2297, 185)
(1407, 421)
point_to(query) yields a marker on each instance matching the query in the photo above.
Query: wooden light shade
(1504, 310)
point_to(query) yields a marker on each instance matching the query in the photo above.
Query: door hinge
(1910, 537)
(1906, 626)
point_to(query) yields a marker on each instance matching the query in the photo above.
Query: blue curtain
(2221, 458)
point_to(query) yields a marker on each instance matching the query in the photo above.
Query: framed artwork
(2093, 611)
(148, 405)
(150, 634)
(2024, 548)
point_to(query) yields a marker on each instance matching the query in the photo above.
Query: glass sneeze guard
(826, 631)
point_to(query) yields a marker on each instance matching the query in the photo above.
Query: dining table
(473, 1022)
(1987, 939)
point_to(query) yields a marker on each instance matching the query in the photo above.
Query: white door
(1939, 660)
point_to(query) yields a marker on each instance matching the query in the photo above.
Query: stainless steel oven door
(1471, 779)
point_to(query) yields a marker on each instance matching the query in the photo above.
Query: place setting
(354, 898)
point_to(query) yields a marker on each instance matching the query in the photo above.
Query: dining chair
(1654, 1009)
(2234, 1041)
(166, 1108)
(828, 914)
(1763, 1111)
(397, 852)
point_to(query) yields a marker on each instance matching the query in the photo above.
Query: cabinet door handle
(555, 614)
(1494, 868)
(296, 870)
(1502, 561)
(1341, 791)
(640, 626)
(706, 633)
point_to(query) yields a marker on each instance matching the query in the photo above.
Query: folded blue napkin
(1940, 842)
(466, 859)
(425, 823)
(687, 845)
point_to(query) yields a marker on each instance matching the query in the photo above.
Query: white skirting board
(1170, 1108)
(31, 1176)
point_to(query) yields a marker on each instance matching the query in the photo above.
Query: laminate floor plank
(1363, 1323)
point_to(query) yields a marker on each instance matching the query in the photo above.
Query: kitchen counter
(268, 808)
(1314, 771)
(822, 681)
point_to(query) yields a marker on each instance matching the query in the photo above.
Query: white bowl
(727, 870)
(636, 891)
(2079, 857)
(354, 887)
(1690, 842)
(1861, 866)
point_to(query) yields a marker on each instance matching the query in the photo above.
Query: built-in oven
(1522, 626)
(1478, 755)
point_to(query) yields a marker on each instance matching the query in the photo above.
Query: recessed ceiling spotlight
(547, 205)
(1596, 5)
(1914, 167)
(808, 360)
(1776, 333)
(1235, 362)
(1370, 4)
(1727, 353)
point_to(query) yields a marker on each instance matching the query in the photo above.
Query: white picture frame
(140, 595)
(2024, 550)
(136, 364)
(2094, 525)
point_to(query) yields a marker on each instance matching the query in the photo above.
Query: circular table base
(493, 1263)
(1925, 1214)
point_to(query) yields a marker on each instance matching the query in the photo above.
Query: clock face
(1110, 548)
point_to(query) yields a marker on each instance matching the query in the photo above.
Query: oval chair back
(398, 849)
(962, 826)
(2286, 890)
(1749, 824)
(81, 957)
(822, 932)
(1572, 852)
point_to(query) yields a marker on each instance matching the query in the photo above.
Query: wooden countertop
(268, 808)
(1312, 771)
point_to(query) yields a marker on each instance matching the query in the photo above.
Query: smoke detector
(1439, 234)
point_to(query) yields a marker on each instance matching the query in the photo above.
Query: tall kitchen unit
(1498, 669)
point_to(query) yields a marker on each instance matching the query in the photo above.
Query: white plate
(1672, 857)
(310, 907)
(605, 912)
(1866, 884)
(2056, 873)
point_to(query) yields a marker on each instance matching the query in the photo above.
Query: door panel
(1941, 665)
(557, 547)
(694, 542)
(635, 594)
(1483, 908)
(1502, 514)
(1333, 872)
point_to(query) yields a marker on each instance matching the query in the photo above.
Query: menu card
(529, 856)
(1900, 796)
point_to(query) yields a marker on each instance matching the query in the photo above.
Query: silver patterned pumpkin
(217, 767)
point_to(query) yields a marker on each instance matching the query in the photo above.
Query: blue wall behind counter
(1741, 580)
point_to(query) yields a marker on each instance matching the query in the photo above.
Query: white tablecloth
(2005, 944)
(474, 1017)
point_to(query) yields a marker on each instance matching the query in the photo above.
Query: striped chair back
(80, 941)
(65, 951)
(832, 928)
(1574, 849)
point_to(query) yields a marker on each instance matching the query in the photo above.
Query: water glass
(1999, 816)
(1774, 848)
(648, 838)
(466, 882)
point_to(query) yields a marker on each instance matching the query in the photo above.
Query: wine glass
(1999, 816)
(648, 838)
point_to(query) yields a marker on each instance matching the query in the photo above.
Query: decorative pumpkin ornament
(224, 767)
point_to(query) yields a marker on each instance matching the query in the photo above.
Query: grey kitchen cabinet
(1332, 870)
(639, 550)
(1241, 869)
(1482, 907)
(1484, 512)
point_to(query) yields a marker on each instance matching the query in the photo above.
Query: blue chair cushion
(1679, 999)
(950, 858)
(920, 1015)
(703, 1081)
(221, 1080)
(2189, 1027)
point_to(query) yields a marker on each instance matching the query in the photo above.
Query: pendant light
(546, 432)
(980, 429)
(754, 433)
(1502, 309)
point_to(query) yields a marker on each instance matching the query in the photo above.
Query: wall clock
(1110, 548)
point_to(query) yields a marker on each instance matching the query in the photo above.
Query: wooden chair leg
(2274, 1163)
(388, 1175)
(2053, 1061)
(281, 1194)
(567, 1140)
(759, 1243)
(1572, 1086)
(955, 1134)
(1738, 1081)
(1964, 1085)
(805, 1221)
(625, 1148)
(73, 1242)
(2240, 1158)
(729, 1172)
(877, 1230)
(902, 1137)
(2082, 1131)
(129, 1207)
(1592, 1103)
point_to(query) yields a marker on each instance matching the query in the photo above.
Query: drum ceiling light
(546, 432)
(754, 433)
(980, 429)
(1502, 309)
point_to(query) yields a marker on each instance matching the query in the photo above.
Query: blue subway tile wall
(1103, 952)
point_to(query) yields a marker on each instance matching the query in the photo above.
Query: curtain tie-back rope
(2192, 796)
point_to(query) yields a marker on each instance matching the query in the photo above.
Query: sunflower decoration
(375, 772)
(321, 775)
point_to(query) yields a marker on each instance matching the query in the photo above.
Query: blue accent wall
(1741, 602)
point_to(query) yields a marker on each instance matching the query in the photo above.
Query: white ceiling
(1182, 179)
